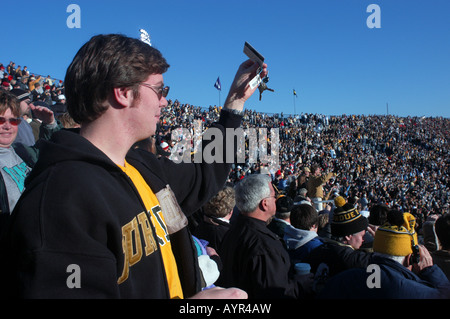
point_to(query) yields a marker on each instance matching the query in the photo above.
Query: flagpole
(218, 86)
(293, 96)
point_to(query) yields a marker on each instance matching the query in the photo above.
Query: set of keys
(261, 82)
(263, 87)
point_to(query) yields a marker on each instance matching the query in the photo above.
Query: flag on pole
(295, 93)
(217, 85)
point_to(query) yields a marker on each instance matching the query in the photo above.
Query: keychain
(256, 80)
(263, 86)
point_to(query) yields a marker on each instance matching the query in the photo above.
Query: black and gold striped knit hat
(347, 221)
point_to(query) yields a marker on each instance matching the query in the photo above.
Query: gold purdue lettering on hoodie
(134, 246)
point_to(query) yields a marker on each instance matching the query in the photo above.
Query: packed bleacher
(402, 162)
(44, 90)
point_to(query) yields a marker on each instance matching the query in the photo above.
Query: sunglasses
(161, 91)
(13, 121)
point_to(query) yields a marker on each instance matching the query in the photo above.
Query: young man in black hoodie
(100, 219)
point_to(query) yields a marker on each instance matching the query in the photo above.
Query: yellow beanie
(339, 201)
(396, 238)
(410, 220)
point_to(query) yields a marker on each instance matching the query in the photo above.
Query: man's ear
(123, 96)
(263, 204)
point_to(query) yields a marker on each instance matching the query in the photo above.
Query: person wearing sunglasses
(254, 258)
(115, 212)
(16, 159)
(25, 134)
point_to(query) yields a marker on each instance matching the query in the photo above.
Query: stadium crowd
(44, 90)
(401, 162)
(366, 161)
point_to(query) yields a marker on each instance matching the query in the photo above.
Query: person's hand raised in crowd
(425, 260)
(371, 229)
(240, 90)
(43, 113)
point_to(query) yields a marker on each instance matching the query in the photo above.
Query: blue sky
(321, 48)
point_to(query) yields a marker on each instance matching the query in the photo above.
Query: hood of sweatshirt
(68, 145)
(295, 238)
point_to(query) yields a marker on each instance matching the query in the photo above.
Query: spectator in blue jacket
(342, 251)
(394, 273)
(301, 236)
